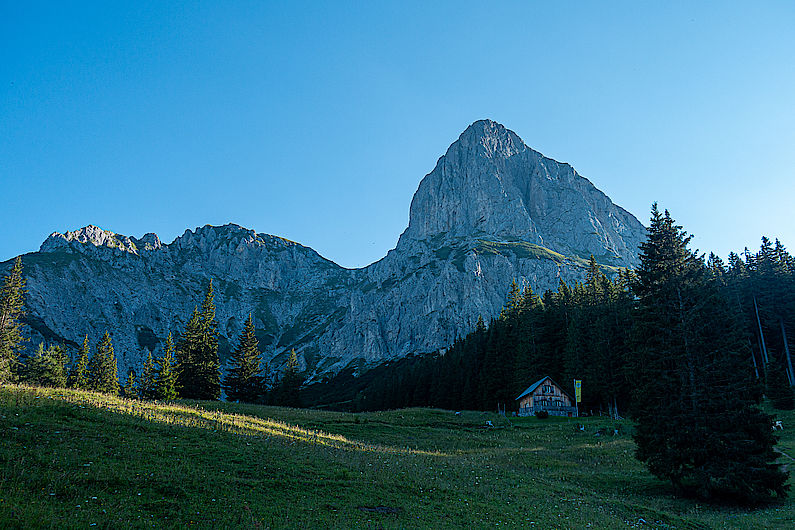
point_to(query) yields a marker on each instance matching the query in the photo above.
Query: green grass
(70, 459)
(523, 249)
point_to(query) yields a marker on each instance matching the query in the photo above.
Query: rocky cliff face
(491, 210)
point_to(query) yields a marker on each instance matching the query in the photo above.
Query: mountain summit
(490, 183)
(491, 211)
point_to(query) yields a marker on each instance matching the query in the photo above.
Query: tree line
(189, 368)
(588, 330)
(686, 345)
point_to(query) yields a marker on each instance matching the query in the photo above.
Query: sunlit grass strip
(170, 413)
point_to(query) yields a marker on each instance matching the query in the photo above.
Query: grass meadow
(75, 459)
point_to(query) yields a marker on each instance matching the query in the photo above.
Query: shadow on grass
(177, 414)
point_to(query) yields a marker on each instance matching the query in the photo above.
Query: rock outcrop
(491, 211)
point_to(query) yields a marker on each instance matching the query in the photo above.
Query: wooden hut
(546, 394)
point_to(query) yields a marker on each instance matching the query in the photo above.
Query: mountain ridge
(492, 210)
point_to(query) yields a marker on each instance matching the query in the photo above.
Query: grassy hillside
(76, 459)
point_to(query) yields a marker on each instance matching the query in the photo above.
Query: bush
(542, 414)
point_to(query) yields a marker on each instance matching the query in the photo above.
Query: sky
(316, 121)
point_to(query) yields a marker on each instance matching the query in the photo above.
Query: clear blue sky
(315, 121)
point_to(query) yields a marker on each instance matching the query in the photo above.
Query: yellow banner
(578, 390)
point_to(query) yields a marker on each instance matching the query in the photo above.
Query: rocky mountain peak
(489, 139)
(229, 236)
(148, 242)
(91, 236)
(490, 185)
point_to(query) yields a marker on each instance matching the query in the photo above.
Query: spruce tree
(287, 392)
(78, 376)
(199, 365)
(47, 367)
(187, 356)
(12, 308)
(147, 386)
(166, 373)
(244, 382)
(129, 389)
(102, 368)
(697, 424)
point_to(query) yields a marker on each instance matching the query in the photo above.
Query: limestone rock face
(490, 183)
(491, 211)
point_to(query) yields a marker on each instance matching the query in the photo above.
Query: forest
(584, 330)
(688, 346)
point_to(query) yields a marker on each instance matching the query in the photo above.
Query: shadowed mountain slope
(491, 211)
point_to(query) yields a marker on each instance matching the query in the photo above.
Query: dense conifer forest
(671, 342)
(591, 331)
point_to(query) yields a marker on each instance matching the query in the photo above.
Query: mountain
(492, 210)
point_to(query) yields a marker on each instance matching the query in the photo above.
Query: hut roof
(535, 385)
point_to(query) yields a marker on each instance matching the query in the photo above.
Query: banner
(578, 390)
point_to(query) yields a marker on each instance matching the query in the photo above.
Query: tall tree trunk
(753, 357)
(786, 351)
(761, 335)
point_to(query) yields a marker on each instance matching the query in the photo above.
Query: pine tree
(166, 373)
(514, 299)
(12, 308)
(47, 367)
(78, 376)
(187, 379)
(697, 424)
(129, 389)
(199, 365)
(287, 392)
(244, 382)
(526, 352)
(147, 388)
(102, 368)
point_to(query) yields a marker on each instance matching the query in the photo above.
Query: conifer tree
(199, 365)
(102, 368)
(78, 376)
(129, 389)
(12, 308)
(697, 424)
(166, 373)
(244, 382)
(47, 367)
(147, 387)
(514, 299)
(526, 353)
(187, 360)
(287, 392)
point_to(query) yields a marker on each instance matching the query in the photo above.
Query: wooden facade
(546, 394)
